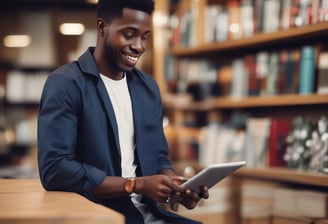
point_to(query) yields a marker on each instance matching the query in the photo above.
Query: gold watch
(130, 184)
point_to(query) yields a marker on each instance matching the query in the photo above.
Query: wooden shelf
(251, 102)
(285, 175)
(260, 39)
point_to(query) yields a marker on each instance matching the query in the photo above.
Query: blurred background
(36, 36)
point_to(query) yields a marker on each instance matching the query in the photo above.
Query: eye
(128, 34)
(145, 37)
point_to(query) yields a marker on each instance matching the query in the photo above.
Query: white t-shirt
(119, 94)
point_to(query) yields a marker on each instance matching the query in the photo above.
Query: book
(210, 22)
(289, 202)
(322, 84)
(234, 19)
(253, 79)
(292, 71)
(246, 18)
(313, 204)
(239, 84)
(323, 11)
(257, 135)
(222, 24)
(285, 14)
(272, 76)
(307, 70)
(284, 202)
(257, 198)
(294, 13)
(305, 15)
(282, 73)
(271, 17)
(288, 220)
(262, 61)
(258, 15)
(315, 11)
(279, 129)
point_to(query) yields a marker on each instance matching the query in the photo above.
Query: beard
(111, 56)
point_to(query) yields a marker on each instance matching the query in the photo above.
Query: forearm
(156, 187)
(111, 187)
(115, 187)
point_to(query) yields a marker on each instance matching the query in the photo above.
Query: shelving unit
(259, 40)
(287, 106)
(251, 102)
(285, 176)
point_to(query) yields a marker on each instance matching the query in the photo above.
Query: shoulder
(63, 77)
(77, 71)
(146, 78)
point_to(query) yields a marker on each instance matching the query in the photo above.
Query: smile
(131, 59)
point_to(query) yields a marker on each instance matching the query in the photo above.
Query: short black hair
(110, 9)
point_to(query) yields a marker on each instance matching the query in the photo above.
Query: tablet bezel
(211, 175)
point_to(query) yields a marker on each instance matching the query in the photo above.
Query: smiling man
(100, 130)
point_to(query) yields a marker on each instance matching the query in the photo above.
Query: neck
(104, 68)
(117, 76)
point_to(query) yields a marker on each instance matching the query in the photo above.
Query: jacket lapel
(135, 91)
(88, 66)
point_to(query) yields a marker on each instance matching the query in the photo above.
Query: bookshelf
(257, 40)
(179, 108)
(251, 102)
(285, 176)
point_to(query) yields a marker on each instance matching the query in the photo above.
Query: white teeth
(131, 58)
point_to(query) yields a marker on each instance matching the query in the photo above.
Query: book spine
(307, 70)
(234, 19)
(279, 130)
(323, 73)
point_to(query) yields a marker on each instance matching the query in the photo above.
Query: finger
(177, 189)
(179, 179)
(189, 203)
(195, 196)
(174, 206)
(205, 193)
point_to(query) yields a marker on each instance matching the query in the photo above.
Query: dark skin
(120, 44)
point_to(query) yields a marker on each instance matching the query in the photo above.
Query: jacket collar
(88, 64)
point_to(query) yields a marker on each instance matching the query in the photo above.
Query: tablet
(211, 175)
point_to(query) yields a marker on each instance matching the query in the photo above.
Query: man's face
(125, 39)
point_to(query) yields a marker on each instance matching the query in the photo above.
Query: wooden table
(25, 201)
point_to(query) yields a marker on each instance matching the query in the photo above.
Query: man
(100, 128)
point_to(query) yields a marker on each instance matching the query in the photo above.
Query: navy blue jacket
(78, 143)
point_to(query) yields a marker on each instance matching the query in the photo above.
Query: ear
(101, 24)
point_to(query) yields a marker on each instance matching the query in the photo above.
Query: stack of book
(300, 203)
(257, 199)
(219, 207)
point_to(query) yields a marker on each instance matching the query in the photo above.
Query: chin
(127, 68)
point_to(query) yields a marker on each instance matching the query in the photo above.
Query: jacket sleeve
(57, 133)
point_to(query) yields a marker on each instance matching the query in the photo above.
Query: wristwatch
(130, 184)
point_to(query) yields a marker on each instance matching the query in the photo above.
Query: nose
(138, 45)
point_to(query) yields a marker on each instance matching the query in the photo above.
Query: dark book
(322, 85)
(279, 129)
(253, 80)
